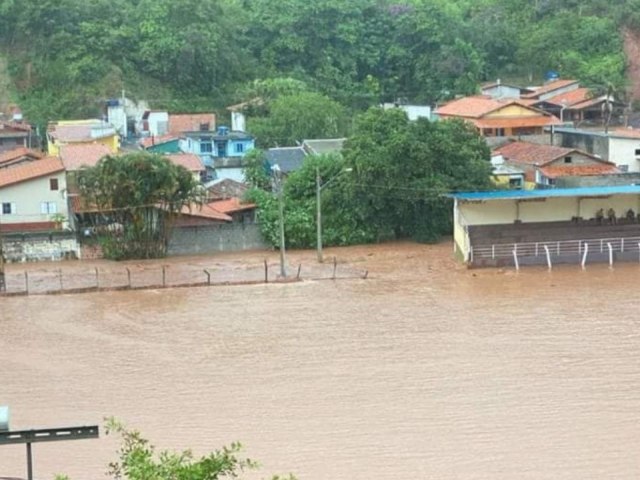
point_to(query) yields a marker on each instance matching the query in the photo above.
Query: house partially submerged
(547, 226)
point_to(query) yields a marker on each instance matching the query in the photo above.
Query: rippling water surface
(425, 370)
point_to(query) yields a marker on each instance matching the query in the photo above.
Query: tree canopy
(390, 182)
(132, 200)
(67, 56)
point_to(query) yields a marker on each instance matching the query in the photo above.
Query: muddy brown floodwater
(426, 370)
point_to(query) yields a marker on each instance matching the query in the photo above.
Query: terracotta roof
(190, 161)
(578, 170)
(147, 142)
(28, 171)
(231, 205)
(549, 87)
(473, 107)
(190, 122)
(19, 153)
(571, 98)
(626, 132)
(205, 211)
(478, 106)
(75, 157)
(516, 122)
(532, 153)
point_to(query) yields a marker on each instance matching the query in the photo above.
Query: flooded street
(424, 370)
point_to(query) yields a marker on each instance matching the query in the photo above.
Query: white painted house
(33, 196)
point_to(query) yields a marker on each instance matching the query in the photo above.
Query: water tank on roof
(4, 418)
(551, 75)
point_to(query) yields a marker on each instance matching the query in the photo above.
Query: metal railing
(556, 248)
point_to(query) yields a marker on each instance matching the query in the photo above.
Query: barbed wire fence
(173, 275)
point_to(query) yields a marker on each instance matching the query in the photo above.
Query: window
(551, 181)
(623, 168)
(204, 127)
(1, 141)
(8, 208)
(515, 182)
(499, 132)
(18, 141)
(637, 152)
(239, 147)
(53, 184)
(568, 160)
(206, 147)
(48, 208)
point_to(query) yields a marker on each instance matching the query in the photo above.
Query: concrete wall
(622, 151)
(590, 142)
(216, 238)
(498, 212)
(40, 247)
(599, 180)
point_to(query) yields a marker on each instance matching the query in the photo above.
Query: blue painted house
(221, 150)
(221, 143)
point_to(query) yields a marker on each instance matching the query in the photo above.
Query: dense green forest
(66, 56)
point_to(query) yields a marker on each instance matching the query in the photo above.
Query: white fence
(557, 248)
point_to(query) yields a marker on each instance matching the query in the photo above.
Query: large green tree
(391, 181)
(134, 200)
(293, 118)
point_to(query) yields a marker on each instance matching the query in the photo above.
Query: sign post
(9, 437)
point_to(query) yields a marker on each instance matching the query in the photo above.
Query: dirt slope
(632, 51)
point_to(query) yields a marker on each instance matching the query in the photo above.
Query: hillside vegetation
(66, 56)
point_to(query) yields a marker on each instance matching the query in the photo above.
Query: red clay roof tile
(28, 171)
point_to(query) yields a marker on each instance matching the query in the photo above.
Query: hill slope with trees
(66, 56)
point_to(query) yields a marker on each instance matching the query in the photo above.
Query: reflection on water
(426, 370)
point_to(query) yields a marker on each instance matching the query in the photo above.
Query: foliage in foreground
(138, 459)
(390, 182)
(133, 200)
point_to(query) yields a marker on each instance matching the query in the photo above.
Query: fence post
(493, 252)
(164, 276)
(335, 266)
(584, 257)
(366, 274)
(622, 245)
(208, 276)
(26, 279)
(299, 268)
(128, 276)
(610, 254)
(60, 277)
(266, 271)
(97, 279)
(546, 249)
(515, 259)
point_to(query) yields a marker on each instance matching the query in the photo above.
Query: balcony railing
(557, 248)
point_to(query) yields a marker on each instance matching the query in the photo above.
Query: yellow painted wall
(621, 203)
(113, 142)
(488, 213)
(513, 111)
(551, 210)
